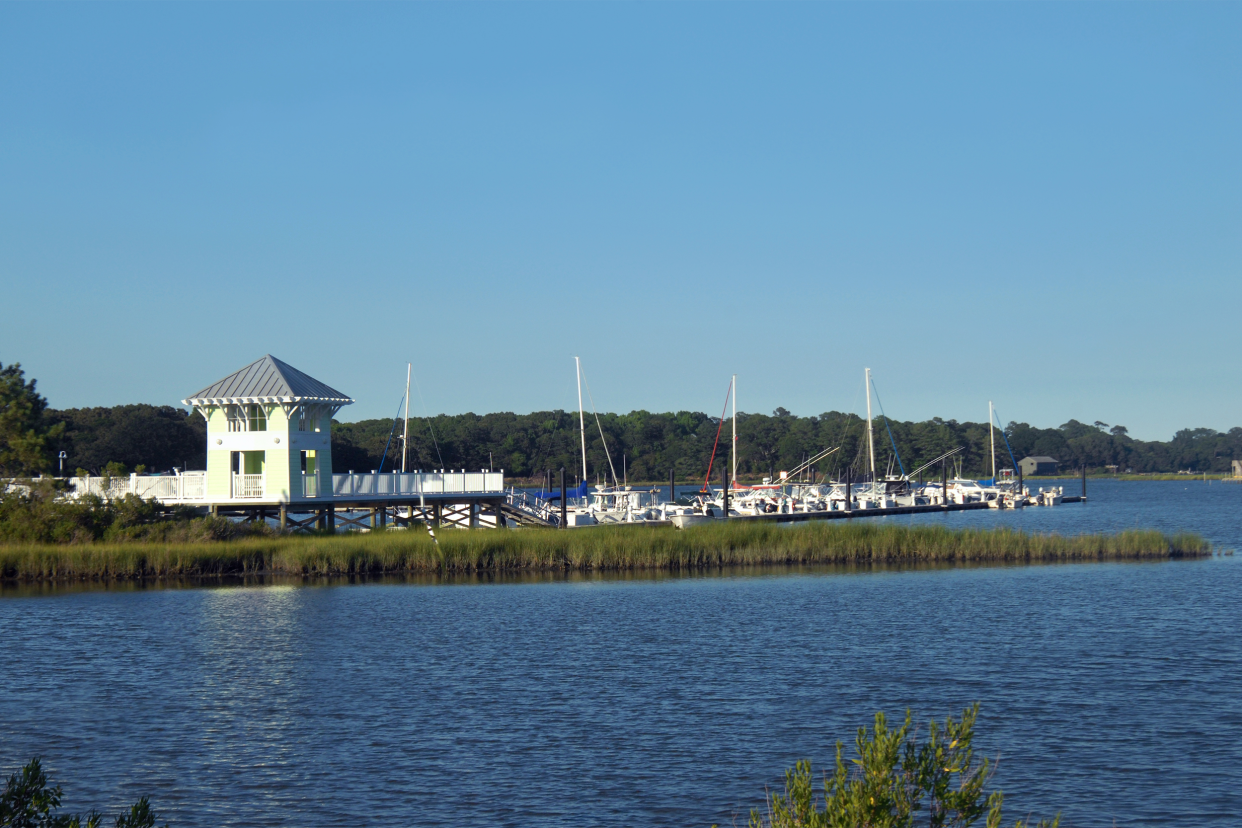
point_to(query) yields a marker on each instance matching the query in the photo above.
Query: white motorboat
(1051, 496)
(682, 521)
(962, 491)
(624, 504)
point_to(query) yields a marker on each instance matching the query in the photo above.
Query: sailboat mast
(405, 434)
(581, 417)
(870, 437)
(992, 438)
(734, 418)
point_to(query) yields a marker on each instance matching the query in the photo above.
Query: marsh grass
(587, 549)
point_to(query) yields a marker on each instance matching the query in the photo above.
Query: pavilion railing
(415, 483)
(192, 486)
(185, 486)
(247, 486)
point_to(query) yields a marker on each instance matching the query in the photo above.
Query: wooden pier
(453, 510)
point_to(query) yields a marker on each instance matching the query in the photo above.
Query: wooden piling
(944, 482)
(564, 508)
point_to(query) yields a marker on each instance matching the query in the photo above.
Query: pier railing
(248, 486)
(416, 483)
(186, 486)
(192, 486)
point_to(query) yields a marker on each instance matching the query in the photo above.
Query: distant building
(268, 433)
(1037, 465)
(1237, 468)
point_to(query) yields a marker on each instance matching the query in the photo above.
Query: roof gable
(1042, 459)
(267, 380)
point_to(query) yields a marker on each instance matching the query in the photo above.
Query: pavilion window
(237, 418)
(256, 418)
(306, 419)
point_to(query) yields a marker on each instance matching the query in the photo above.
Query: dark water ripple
(1110, 690)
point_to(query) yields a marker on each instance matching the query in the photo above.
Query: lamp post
(62, 457)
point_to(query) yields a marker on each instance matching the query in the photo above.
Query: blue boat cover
(581, 490)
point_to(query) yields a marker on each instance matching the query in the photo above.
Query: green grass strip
(599, 548)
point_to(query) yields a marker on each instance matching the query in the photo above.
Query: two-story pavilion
(269, 451)
(268, 433)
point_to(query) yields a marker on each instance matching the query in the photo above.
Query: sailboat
(891, 490)
(1006, 493)
(707, 505)
(618, 503)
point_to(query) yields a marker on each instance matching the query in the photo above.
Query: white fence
(187, 486)
(416, 483)
(192, 486)
(247, 486)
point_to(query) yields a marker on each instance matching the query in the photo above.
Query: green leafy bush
(34, 513)
(897, 781)
(28, 802)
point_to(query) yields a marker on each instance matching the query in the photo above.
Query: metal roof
(1043, 459)
(267, 380)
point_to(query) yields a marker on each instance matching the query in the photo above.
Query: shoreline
(596, 549)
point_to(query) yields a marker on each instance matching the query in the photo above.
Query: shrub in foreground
(34, 513)
(28, 802)
(897, 781)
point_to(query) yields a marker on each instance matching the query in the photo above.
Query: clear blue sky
(1038, 204)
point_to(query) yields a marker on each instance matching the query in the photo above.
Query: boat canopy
(581, 490)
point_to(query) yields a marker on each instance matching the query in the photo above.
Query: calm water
(1111, 690)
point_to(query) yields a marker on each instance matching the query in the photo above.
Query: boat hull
(682, 521)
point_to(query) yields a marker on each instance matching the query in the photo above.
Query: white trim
(252, 400)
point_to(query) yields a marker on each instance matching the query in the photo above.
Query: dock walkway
(799, 517)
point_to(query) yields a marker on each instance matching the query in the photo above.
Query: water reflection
(286, 584)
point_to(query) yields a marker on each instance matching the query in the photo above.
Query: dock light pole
(1084, 481)
(849, 489)
(62, 457)
(564, 510)
(672, 485)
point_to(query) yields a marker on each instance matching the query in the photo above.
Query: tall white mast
(734, 483)
(405, 435)
(581, 417)
(870, 438)
(992, 438)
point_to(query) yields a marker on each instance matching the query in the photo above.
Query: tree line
(643, 446)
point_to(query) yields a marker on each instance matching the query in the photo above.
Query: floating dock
(801, 517)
